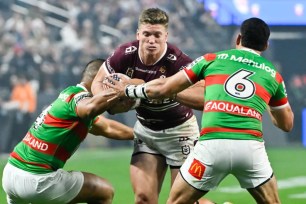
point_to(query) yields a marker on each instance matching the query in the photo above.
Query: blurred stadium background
(46, 43)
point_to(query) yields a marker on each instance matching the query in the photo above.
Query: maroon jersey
(154, 114)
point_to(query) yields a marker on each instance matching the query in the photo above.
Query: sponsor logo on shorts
(196, 169)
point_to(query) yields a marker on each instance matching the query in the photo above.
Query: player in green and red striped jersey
(34, 171)
(239, 86)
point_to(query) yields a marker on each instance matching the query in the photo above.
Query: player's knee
(107, 190)
(144, 198)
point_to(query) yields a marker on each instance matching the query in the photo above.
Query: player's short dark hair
(153, 16)
(254, 34)
(91, 69)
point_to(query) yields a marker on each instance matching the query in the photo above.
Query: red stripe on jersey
(215, 79)
(210, 56)
(62, 154)
(81, 130)
(278, 78)
(58, 122)
(262, 93)
(221, 78)
(219, 129)
(16, 156)
(68, 99)
(275, 103)
(192, 76)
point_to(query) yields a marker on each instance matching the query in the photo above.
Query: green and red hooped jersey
(239, 84)
(55, 135)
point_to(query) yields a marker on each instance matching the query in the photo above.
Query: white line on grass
(282, 184)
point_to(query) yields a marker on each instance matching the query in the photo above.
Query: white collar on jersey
(250, 50)
(166, 47)
(81, 86)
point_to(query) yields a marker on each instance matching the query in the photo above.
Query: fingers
(109, 93)
(112, 98)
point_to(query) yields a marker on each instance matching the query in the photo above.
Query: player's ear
(238, 39)
(137, 34)
(266, 46)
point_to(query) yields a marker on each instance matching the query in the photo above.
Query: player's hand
(118, 85)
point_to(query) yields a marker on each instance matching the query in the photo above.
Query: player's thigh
(182, 192)
(266, 193)
(147, 172)
(174, 172)
(94, 188)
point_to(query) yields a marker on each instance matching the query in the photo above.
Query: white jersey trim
(279, 107)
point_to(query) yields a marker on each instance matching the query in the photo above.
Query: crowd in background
(44, 44)
(50, 41)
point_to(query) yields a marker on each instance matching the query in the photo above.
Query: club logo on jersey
(129, 72)
(171, 57)
(41, 118)
(162, 69)
(196, 169)
(185, 149)
(80, 96)
(130, 50)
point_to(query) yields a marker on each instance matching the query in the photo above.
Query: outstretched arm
(112, 129)
(155, 89)
(193, 96)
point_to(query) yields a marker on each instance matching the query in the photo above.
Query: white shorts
(51, 188)
(212, 160)
(174, 144)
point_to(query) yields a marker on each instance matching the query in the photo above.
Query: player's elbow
(92, 111)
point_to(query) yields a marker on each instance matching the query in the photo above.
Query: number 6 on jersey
(239, 85)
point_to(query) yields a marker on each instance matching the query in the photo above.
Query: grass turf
(288, 163)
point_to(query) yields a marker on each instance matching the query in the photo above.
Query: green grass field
(288, 163)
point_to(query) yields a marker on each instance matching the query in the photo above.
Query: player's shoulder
(176, 56)
(128, 48)
(73, 92)
(174, 50)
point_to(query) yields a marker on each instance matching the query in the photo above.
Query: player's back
(239, 85)
(54, 136)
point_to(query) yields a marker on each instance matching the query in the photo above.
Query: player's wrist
(136, 91)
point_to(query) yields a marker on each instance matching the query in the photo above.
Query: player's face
(152, 39)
